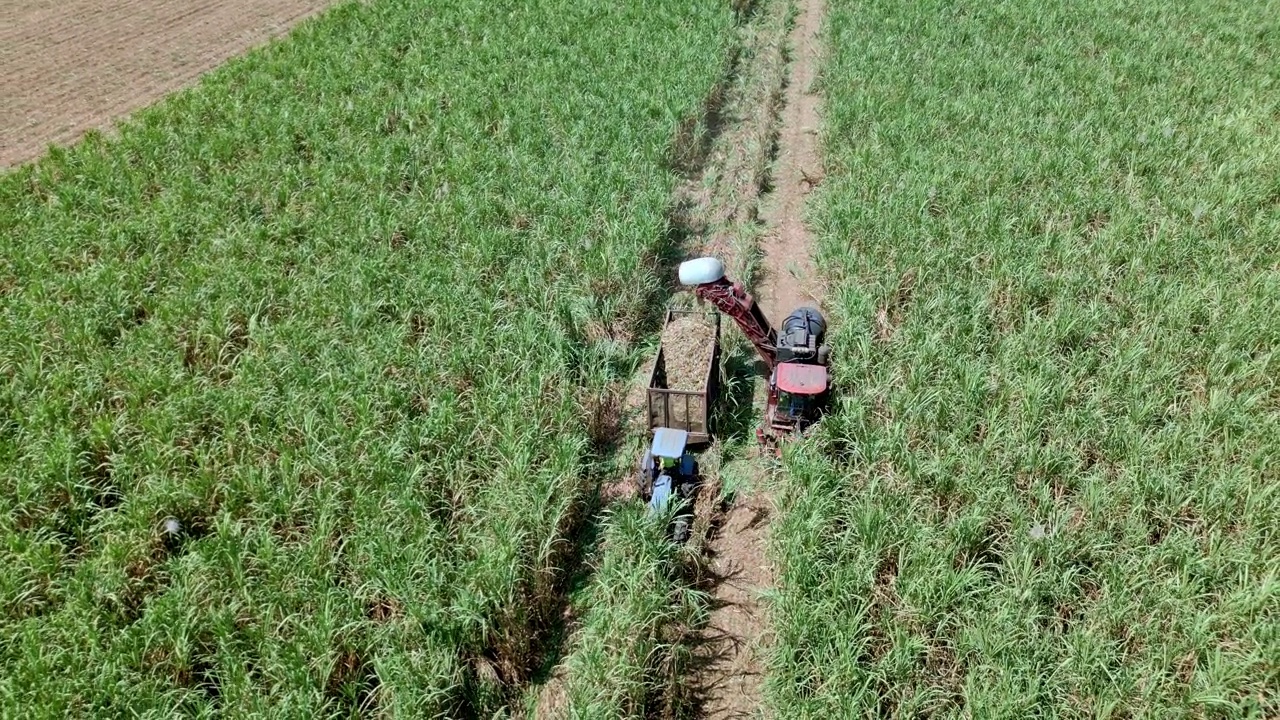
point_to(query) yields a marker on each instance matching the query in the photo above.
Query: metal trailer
(688, 410)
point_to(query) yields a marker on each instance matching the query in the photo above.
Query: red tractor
(796, 358)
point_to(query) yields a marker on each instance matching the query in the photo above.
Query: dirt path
(72, 65)
(790, 279)
(724, 210)
(737, 634)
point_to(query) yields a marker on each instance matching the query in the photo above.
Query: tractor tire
(680, 531)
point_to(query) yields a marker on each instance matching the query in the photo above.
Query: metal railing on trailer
(688, 410)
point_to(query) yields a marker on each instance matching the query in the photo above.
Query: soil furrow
(790, 279)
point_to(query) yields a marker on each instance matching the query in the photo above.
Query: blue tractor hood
(669, 442)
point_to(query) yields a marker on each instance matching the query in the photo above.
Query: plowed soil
(67, 66)
(688, 342)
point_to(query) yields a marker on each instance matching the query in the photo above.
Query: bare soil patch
(74, 65)
(790, 277)
(735, 638)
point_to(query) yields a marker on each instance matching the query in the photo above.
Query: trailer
(687, 409)
(680, 417)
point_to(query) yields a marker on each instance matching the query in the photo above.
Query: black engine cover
(801, 335)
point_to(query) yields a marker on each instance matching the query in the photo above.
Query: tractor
(680, 417)
(669, 473)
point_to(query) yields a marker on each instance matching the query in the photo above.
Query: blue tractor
(669, 473)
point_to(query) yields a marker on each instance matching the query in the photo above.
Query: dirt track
(790, 278)
(738, 630)
(70, 65)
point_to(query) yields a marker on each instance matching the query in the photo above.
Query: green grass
(344, 310)
(1049, 485)
(633, 609)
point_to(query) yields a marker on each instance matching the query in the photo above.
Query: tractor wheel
(680, 531)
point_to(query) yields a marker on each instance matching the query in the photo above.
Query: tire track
(737, 635)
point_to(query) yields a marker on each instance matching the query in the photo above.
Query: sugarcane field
(640, 359)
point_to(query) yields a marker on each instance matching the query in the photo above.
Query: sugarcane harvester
(795, 358)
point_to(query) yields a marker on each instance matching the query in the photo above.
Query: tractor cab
(668, 471)
(799, 391)
(666, 463)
